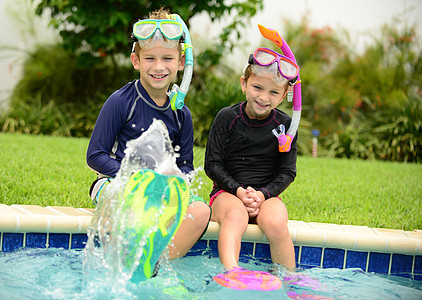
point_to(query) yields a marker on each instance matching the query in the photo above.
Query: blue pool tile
(198, 248)
(213, 244)
(246, 249)
(401, 265)
(417, 271)
(418, 264)
(297, 248)
(59, 240)
(79, 241)
(12, 241)
(333, 258)
(262, 251)
(379, 262)
(36, 240)
(356, 259)
(311, 257)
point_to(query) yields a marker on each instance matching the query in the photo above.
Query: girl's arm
(285, 173)
(215, 154)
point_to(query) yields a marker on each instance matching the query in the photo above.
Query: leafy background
(366, 106)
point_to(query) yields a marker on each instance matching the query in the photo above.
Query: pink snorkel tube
(285, 140)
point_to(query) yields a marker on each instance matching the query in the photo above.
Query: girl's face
(262, 96)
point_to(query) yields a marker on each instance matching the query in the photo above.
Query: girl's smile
(262, 96)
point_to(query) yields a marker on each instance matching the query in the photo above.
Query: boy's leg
(272, 219)
(193, 226)
(230, 212)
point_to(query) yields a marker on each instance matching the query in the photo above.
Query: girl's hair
(248, 73)
(158, 14)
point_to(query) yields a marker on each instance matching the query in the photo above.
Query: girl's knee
(275, 227)
(234, 218)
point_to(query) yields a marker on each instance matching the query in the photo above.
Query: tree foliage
(365, 105)
(102, 28)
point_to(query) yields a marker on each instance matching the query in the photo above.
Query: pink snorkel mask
(285, 62)
(276, 65)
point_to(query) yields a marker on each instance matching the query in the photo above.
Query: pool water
(58, 274)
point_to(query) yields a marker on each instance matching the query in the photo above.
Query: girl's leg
(192, 227)
(272, 219)
(230, 212)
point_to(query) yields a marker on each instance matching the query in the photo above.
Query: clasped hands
(251, 198)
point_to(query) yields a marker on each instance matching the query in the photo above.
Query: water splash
(115, 241)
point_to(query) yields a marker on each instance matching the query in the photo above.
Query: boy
(130, 111)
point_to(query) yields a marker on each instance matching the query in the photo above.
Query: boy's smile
(158, 68)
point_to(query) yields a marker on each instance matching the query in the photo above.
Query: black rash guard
(244, 152)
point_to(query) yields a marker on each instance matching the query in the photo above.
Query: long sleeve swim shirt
(244, 152)
(128, 113)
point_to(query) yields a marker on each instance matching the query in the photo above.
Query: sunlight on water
(58, 274)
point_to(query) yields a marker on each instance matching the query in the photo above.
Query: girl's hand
(254, 213)
(244, 196)
(253, 208)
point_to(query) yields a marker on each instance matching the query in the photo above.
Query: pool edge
(388, 251)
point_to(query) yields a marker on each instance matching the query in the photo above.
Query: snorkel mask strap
(285, 142)
(177, 94)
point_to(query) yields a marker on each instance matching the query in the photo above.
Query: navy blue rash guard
(113, 129)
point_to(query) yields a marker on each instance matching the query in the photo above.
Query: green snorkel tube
(177, 94)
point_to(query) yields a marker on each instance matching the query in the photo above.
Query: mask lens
(287, 69)
(144, 30)
(264, 58)
(171, 30)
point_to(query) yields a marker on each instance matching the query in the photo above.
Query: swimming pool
(319, 247)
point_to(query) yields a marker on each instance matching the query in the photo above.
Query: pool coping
(379, 250)
(58, 219)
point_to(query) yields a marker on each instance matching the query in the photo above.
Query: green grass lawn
(46, 170)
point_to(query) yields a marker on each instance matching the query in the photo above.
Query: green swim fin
(157, 205)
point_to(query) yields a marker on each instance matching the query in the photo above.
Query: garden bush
(365, 106)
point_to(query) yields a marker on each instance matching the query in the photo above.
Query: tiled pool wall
(383, 251)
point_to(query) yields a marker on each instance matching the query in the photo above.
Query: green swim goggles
(144, 29)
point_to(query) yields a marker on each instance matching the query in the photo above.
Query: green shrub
(399, 132)
(35, 117)
(209, 94)
(32, 116)
(385, 134)
(58, 75)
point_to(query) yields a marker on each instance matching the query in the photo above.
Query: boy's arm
(185, 143)
(103, 137)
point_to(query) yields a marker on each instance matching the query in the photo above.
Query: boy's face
(158, 68)
(262, 96)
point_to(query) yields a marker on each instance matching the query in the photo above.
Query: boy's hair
(248, 73)
(158, 14)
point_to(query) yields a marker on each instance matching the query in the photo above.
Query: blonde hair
(158, 14)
